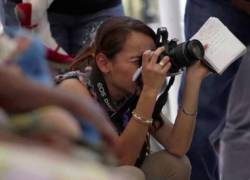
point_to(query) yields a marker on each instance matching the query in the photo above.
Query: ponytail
(85, 58)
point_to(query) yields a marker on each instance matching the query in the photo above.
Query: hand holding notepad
(223, 47)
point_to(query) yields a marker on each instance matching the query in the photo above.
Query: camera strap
(101, 90)
(161, 101)
(118, 113)
(104, 97)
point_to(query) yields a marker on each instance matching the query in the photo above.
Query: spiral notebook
(223, 46)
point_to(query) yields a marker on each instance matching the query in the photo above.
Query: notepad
(223, 46)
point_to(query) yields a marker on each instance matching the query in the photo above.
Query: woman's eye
(137, 60)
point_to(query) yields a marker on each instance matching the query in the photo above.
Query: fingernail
(167, 58)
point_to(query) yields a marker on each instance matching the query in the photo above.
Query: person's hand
(153, 73)
(198, 70)
(242, 5)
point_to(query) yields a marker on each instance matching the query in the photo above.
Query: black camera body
(181, 55)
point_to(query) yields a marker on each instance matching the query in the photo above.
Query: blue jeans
(75, 32)
(2, 19)
(10, 19)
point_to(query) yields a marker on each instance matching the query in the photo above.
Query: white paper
(223, 47)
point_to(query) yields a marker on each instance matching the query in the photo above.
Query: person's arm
(177, 138)
(130, 142)
(18, 94)
(133, 137)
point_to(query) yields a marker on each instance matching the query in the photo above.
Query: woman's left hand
(198, 69)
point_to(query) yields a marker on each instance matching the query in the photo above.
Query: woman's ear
(102, 62)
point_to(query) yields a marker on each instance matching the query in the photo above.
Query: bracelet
(188, 113)
(141, 119)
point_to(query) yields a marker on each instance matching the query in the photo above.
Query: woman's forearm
(182, 131)
(133, 137)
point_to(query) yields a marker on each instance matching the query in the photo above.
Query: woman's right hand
(154, 73)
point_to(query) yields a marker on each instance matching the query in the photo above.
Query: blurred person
(32, 15)
(73, 24)
(22, 162)
(38, 151)
(10, 19)
(43, 118)
(50, 126)
(214, 89)
(147, 15)
(54, 129)
(26, 62)
(235, 136)
(235, 144)
(105, 73)
(1, 12)
(26, 51)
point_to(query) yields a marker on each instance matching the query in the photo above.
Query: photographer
(120, 45)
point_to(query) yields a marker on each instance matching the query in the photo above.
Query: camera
(181, 55)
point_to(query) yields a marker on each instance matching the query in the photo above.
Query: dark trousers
(75, 32)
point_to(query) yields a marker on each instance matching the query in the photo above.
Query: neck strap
(101, 89)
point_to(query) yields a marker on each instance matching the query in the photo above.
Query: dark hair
(110, 38)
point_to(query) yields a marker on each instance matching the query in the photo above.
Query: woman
(120, 45)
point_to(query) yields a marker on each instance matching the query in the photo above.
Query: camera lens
(185, 54)
(181, 55)
(195, 49)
